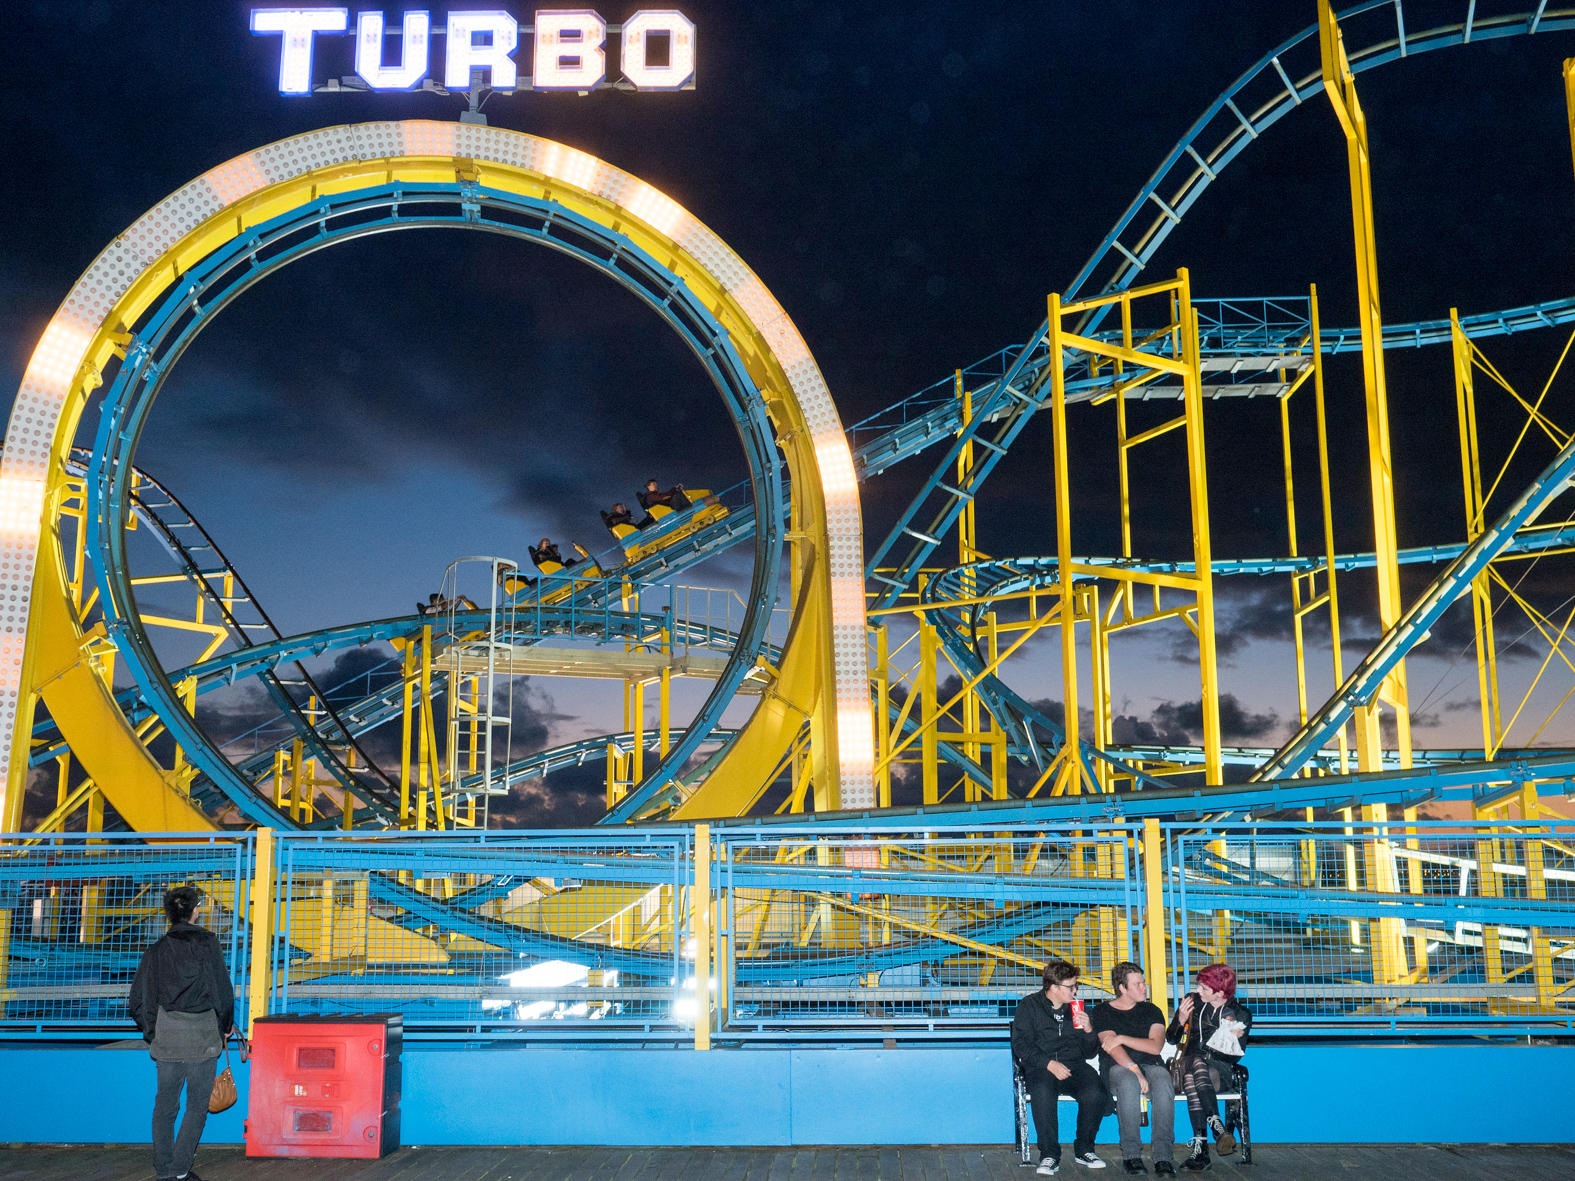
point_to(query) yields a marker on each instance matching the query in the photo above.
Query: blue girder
(205, 289)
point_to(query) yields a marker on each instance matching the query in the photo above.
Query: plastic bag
(1224, 1038)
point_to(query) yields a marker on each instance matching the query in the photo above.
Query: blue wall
(1300, 1094)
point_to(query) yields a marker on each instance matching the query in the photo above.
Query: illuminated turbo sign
(566, 49)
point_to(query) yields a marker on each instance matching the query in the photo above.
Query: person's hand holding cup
(1080, 1016)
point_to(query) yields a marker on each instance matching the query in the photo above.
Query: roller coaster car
(667, 524)
(558, 581)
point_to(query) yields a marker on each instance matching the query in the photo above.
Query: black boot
(1199, 1160)
(1224, 1142)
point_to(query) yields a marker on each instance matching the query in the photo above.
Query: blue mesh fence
(1334, 928)
(484, 932)
(77, 911)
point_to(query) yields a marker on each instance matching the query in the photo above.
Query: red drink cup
(1077, 1007)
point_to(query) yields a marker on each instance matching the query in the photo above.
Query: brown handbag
(224, 1094)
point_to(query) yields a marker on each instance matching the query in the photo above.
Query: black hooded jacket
(183, 972)
(1193, 1037)
(1041, 1032)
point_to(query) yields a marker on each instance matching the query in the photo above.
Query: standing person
(182, 1001)
(1212, 1013)
(1131, 1031)
(1052, 1043)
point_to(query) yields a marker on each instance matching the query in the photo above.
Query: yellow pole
(700, 909)
(1340, 84)
(929, 751)
(425, 727)
(638, 710)
(404, 746)
(1481, 589)
(1154, 926)
(1569, 99)
(664, 708)
(998, 766)
(1328, 510)
(1537, 888)
(1063, 535)
(1202, 549)
(262, 930)
(883, 716)
(1296, 579)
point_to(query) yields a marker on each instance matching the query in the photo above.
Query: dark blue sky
(910, 180)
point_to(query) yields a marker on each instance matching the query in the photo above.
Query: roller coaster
(88, 682)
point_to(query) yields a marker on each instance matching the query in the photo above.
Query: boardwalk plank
(1282, 1162)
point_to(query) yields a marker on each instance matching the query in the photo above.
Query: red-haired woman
(1211, 1014)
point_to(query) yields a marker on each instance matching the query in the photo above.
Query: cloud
(1236, 721)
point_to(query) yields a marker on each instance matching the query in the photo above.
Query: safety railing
(1432, 925)
(1429, 928)
(948, 926)
(488, 934)
(78, 910)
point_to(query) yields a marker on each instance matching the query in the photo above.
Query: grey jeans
(1161, 1112)
(172, 1155)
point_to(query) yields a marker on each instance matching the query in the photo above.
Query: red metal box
(325, 1086)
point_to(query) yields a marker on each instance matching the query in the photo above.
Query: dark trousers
(172, 1155)
(1093, 1101)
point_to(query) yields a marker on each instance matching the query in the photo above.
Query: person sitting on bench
(1131, 1032)
(1211, 1027)
(673, 498)
(1052, 1043)
(548, 552)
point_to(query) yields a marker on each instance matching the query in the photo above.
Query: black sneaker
(1199, 1160)
(1048, 1166)
(1163, 1168)
(1224, 1142)
(1134, 1167)
(1089, 1160)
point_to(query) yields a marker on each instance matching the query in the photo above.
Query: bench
(1234, 1099)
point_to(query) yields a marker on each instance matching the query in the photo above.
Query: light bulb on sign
(415, 43)
(569, 54)
(501, 34)
(639, 33)
(298, 26)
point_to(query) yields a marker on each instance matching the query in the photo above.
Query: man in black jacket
(183, 1002)
(1052, 1045)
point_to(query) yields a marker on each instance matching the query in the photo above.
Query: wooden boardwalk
(1272, 1162)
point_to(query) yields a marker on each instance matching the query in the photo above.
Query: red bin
(325, 1086)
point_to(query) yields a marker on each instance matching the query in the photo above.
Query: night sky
(909, 181)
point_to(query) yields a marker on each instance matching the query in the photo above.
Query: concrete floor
(1279, 1162)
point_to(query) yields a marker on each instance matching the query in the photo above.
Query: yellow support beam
(262, 916)
(700, 924)
(1340, 84)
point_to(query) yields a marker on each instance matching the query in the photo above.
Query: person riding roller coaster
(619, 519)
(673, 498)
(548, 552)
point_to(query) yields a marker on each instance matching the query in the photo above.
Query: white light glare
(463, 54)
(547, 974)
(21, 507)
(298, 26)
(569, 54)
(680, 67)
(415, 39)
